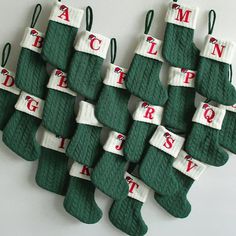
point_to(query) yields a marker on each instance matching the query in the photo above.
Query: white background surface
(27, 210)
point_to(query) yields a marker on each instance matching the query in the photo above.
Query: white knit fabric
(7, 81)
(228, 108)
(30, 104)
(182, 15)
(189, 166)
(54, 142)
(182, 77)
(58, 81)
(167, 141)
(209, 115)
(86, 115)
(66, 15)
(218, 49)
(148, 113)
(114, 143)
(32, 40)
(92, 43)
(150, 47)
(80, 171)
(115, 76)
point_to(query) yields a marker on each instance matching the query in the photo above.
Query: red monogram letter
(85, 171)
(132, 184)
(120, 137)
(188, 77)
(169, 141)
(121, 78)
(63, 82)
(93, 43)
(65, 14)
(183, 16)
(9, 81)
(209, 113)
(218, 50)
(151, 49)
(190, 165)
(38, 43)
(32, 104)
(62, 143)
(149, 113)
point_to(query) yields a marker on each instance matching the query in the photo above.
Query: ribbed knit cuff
(228, 108)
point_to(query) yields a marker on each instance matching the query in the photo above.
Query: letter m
(183, 16)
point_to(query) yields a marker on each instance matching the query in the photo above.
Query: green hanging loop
(89, 18)
(148, 21)
(230, 73)
(175, 0)
(5, 54)
(211, 21)
(59, 0)
(207, 100)
(36, 14)
(113, 50)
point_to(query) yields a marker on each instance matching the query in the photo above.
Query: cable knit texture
(228, 132)
(52, 173)
(7, 103)
(138, 140)
(143, 80)
(84, 75)
(179, 49)
(203, 145)
(85, 146)
(177, 204)
(126, 216)
(112, 108)
(179, 108)
(157, 172)
(58, 44)
(108, 176)
(80, 203)
(213, 82)
(19, 135)
(58, 113)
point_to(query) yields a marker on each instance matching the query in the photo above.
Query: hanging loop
(148, 21)
(36, 14)
(59, 0)
(113, 50)
(5, 54)
(175, 0)
(230, 73)
(207, 100)
(211, 21)
(89, 18)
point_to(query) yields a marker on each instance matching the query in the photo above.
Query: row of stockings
(164, 145)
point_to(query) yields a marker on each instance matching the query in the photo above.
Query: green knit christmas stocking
(31, 77)
(58, 114)
(215, 64)
(8, 91)
(186, 171)
(52, 173)
(85, 147)
(146, 119)
(156, 167)
(143, 76)
(228, 131)
(84, 71)
(180, 108)
(178, 48)
(112, 106)
(108, 174)
(126, 214)
(79, 200)
(203, 140)
(62, 29)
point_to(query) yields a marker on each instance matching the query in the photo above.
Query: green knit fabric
(84, 75)
(108, 176)
(157, 172)
(126, 216)
(213, 82)
(143, 80)
(52, 173)
(58, 113)
(80, 203)
(19, 135)
(203, 145)
(58, 44)
(228, 132)
(112, 108)
(179, 109)
(85, 147)
(137, 140)
(7, 104)
(178, 48)
(31, 73)
(177, 204)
